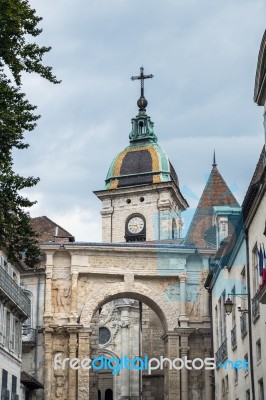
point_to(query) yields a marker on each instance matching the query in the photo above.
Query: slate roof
(48, 231)
(201, 232)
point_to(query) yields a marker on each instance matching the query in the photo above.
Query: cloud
(203, 57)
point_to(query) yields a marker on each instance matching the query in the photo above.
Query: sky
(203, 55)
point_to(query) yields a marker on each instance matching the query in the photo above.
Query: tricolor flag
(264, 266)
(261, 264)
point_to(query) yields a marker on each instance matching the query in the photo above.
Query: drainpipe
(37, 323)
(249, 321)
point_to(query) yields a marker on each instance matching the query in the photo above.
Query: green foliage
(18, 22)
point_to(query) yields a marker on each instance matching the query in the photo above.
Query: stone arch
(167, 312)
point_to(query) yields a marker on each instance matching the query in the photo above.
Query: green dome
(140, 164)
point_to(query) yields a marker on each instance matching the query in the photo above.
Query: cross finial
(142, 102)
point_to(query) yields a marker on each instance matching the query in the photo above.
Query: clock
(135, 225)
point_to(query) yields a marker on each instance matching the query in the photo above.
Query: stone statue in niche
(61, 296)
(193, 300)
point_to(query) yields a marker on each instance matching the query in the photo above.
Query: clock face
(135, 225)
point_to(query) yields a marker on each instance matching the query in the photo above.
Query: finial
(142, 102)
(214, 160)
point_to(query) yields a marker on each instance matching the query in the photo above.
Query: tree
(18, 23)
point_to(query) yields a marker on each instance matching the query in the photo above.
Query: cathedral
(139, 293)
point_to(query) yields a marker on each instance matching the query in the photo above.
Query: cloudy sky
(203, 56)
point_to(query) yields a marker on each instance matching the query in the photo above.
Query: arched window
(108, 394)
(99, 394)
(174, 229)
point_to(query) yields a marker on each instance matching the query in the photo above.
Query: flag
(261, 264)
(264, 266)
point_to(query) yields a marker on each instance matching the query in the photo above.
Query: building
(237, 279)
(15, 308)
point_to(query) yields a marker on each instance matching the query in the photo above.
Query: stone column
(134, 342)
(183, 319)
(74, 288)
(206, 296)
(83, 374)
(48, 291)
(171, 376)
(72, 373)
(125, 341)
(184, 371)
(48, 363)
(208, 373)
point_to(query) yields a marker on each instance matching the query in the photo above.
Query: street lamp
(228, 305)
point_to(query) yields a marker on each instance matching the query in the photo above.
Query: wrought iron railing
(10, 288)
(222, 352)
(233, 338)
(243, 325)
(255, 308)
(28, 335)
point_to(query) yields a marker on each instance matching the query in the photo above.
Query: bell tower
(141, 200)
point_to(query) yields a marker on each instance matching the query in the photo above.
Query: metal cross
(141, 77)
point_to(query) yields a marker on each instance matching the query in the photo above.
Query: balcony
(243, 325)
(255, 309)
(233, 338)
(28, 337)
(221, 354)
(14, 294)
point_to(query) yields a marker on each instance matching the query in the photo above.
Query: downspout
(249, 321)
(37, 324)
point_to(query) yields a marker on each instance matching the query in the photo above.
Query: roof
(201, 232)
(260, 80)
(254, 184)
(29, 381)
(144, 163)
(48, 231)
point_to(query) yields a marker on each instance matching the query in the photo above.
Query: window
(261, 390)
(248, 394)
(7, 336)
(246, 359)
(216, 325)
(174, 229)
(258, 350)
(226, 384)
(255, 269)
(234, 307)
(243, 288)
(18, 337)
(14, 384)
(236, 374)
(223, 387)
(4, 379)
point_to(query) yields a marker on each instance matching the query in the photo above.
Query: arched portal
(168, 312)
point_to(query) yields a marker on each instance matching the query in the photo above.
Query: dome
(140, 164)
